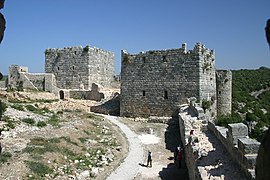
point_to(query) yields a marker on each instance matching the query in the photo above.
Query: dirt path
(129, 168)
(160, 139)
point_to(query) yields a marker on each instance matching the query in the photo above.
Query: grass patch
(54, 120)
(94, 116)
(41, 124)
(39, 146)
(29, 121)
(36, 110)
(18, 107)
(83, 140)
(67, 139)
(10, 124)
(4, 157)
(39, 168)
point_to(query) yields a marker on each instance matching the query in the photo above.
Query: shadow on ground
(172, 141)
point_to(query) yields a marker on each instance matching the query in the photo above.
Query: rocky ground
(44, 138)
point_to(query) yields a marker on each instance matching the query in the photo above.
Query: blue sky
(234, 29)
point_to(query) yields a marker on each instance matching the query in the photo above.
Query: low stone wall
(191, 152)
(3, 84)
(241, 148)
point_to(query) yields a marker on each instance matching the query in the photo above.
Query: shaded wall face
(157, 82)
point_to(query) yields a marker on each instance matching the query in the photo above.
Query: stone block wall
(241, 148)
(18, 74)
(78, 67)
(158, 82)
(224, 92)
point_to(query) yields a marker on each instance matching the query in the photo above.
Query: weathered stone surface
(158, 82)
(238, 129)
(94, 94)
(248, 145)
(78, 67)
(224, 92)
(111, 107)
(250, 160)
(263, 159)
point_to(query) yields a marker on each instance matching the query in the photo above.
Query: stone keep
(78, 67)
(158, 82)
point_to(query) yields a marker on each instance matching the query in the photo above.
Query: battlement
(199, 49)
(75, 49)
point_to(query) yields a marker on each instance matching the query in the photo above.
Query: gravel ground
(129, 168)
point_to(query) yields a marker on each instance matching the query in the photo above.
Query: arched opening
(61, 93)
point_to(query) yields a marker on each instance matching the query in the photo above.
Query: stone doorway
(61, 93)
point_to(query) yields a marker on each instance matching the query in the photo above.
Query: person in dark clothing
(149, 159)
(180, 157)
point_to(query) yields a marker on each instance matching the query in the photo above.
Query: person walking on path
(149, 159)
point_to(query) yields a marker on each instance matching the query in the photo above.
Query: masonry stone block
(157, 82)
(248, 145)
(238, 129)
(250, 161)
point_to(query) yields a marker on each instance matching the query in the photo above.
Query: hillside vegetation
(251, 100)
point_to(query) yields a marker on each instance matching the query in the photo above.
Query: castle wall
(224, 92)
(78, 67)
(207, 78)
(158, 82)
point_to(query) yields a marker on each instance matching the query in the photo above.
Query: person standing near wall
(149, 159)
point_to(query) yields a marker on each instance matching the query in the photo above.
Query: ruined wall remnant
(19, 76)
(224, 92)
(158, 82)
(78, 67)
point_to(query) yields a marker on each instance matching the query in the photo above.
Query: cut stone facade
(224, 92)
(79, 68)
(158, 82)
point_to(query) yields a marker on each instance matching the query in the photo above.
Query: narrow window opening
(219, 92)
(143, 59)
(165, 94)
(143, 93)
(73, 67)
(75, 52)
(58, 68)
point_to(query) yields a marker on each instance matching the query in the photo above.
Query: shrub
(38, 168)
(3, 108)
(29, 121)
(4, 157)
(31, 108)
(228, 119)
(10, 124)
(54, 120)
(18, 107)
(206, 104)
(41, 124)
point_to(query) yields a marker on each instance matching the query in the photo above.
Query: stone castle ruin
(71, 72)
(156, 83)
(79, 68)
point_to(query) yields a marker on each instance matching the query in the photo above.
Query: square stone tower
(78, 67)
(157, 82)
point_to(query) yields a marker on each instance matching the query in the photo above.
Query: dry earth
(78, 144)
